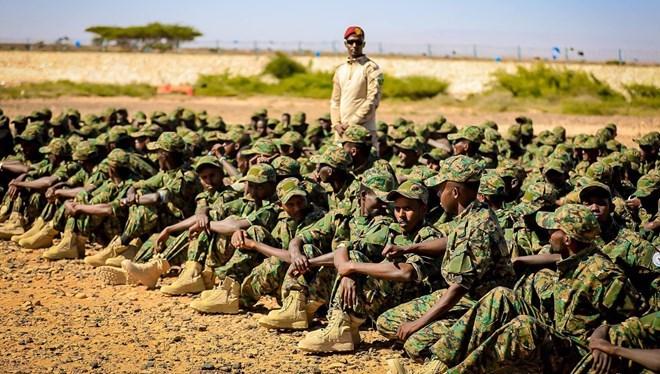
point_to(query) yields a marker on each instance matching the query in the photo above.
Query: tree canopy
(154, 35)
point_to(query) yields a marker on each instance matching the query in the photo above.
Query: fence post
(474, 51)
(566, 53)
(620, 57)
(519, 54)
(380, 47)
(429, 51)
(299, 46)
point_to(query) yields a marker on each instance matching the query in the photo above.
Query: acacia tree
(154, 35)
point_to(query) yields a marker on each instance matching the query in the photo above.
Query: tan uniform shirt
(356, 93)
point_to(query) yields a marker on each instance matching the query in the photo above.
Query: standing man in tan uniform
(356, 87)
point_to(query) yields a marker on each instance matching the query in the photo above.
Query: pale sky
(596, 26)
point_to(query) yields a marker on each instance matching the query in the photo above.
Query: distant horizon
(600, 28)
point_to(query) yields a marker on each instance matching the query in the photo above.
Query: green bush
(282, 66)
(413, 87)
(542, 81)
(226, 85)
(68, 88)
(316, 85)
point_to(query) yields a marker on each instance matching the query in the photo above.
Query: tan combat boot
(115, 248)
(128, 254)
(295, 314)
(341, 335)
(12, 227)
(38, 224)
(66, 248)
(222, 300)
(40, 239)
(146, 274)
(189, 281)
(113, 276)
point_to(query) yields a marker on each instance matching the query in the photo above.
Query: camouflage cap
(261, 113)
(510, 168)
(232, 135)
(488, 147)
(400, 122)
(325, 117)
(574, 220)
(298, 117)
(447, 128)
(116, 134)
(356, 134)
(260, 173)
(335, 157)
(559, 132)
(491, 184)
(60, 120)
(650, 139)
(555, 164)
(160, 118)
(381, 126)
(193, 139)
(32, 132)
(589, 142)
(437, 154)
(460, 169)
(513, 133)
(599, 171)
(421, 173)
(281, 129)
(412, 190)
(397, 134)
(522, 120)
(471, 133)
(43, 114)
(592, 186)
(647, 185)
(187, 115)
(21, 120)
(263, 147)
(526, 129)
(379, 181)
(84, 150)
(118, 158)
(286, 166)
(291, 138)
(207, 161)
(288, 188)
(57, 146)
(411, 143)
(151, 131)
(537, 195)
(216, 123)
(314, 129)
(169, 142)
(140, 117)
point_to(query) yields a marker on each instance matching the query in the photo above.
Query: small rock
(149, 364)
(95, 365)
(80, 295)
(208, 366)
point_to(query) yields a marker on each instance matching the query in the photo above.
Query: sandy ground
(238, 110)
(59, 318)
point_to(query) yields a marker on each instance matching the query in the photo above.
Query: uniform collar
(569, 263)
(361, 60)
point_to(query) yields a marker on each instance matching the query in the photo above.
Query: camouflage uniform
(266, 278)
(505, 328)
(476, 259)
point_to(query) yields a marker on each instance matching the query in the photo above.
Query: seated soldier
(546, 321)
(475, 261)
(210, 245)
(266, 278)
(365, 289)
(152, 261)
(309, 280)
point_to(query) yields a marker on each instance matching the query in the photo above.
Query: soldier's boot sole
(203, 307)
(113, 276)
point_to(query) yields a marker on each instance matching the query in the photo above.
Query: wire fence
(318, 48)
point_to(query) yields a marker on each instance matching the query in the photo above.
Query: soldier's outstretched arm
(399, 272)
(536, 261)
(229, 225)
(37, 184)
(94, 210)
(15, 167)
(431, 248)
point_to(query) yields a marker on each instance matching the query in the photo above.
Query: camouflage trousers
(642, 333)
(316, 284)
(503, 330)
(216, 251)
(418, 344)
(175, 249)
(375, 296)
(30, 205)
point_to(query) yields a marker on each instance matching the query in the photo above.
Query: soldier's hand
(652, 226)
(340, 128)
(348, 292)
(601, 351)
(300, 263)
(633, 203)
(218, 150)
(238, 239)
(203, 221)
(49, 193)
(393, 251)
(161, 239)
(70, 207)
(12, 191)
(408, 329)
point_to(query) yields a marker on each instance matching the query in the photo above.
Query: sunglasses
(354, 42)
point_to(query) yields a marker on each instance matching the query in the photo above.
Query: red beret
(350, 30)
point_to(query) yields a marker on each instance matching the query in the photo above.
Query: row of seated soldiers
(474, 248)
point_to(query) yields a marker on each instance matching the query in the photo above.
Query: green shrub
(282, 66)
(413, 87)
(542, 81)
(68, 88)
(226, 85)
(316, 85)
